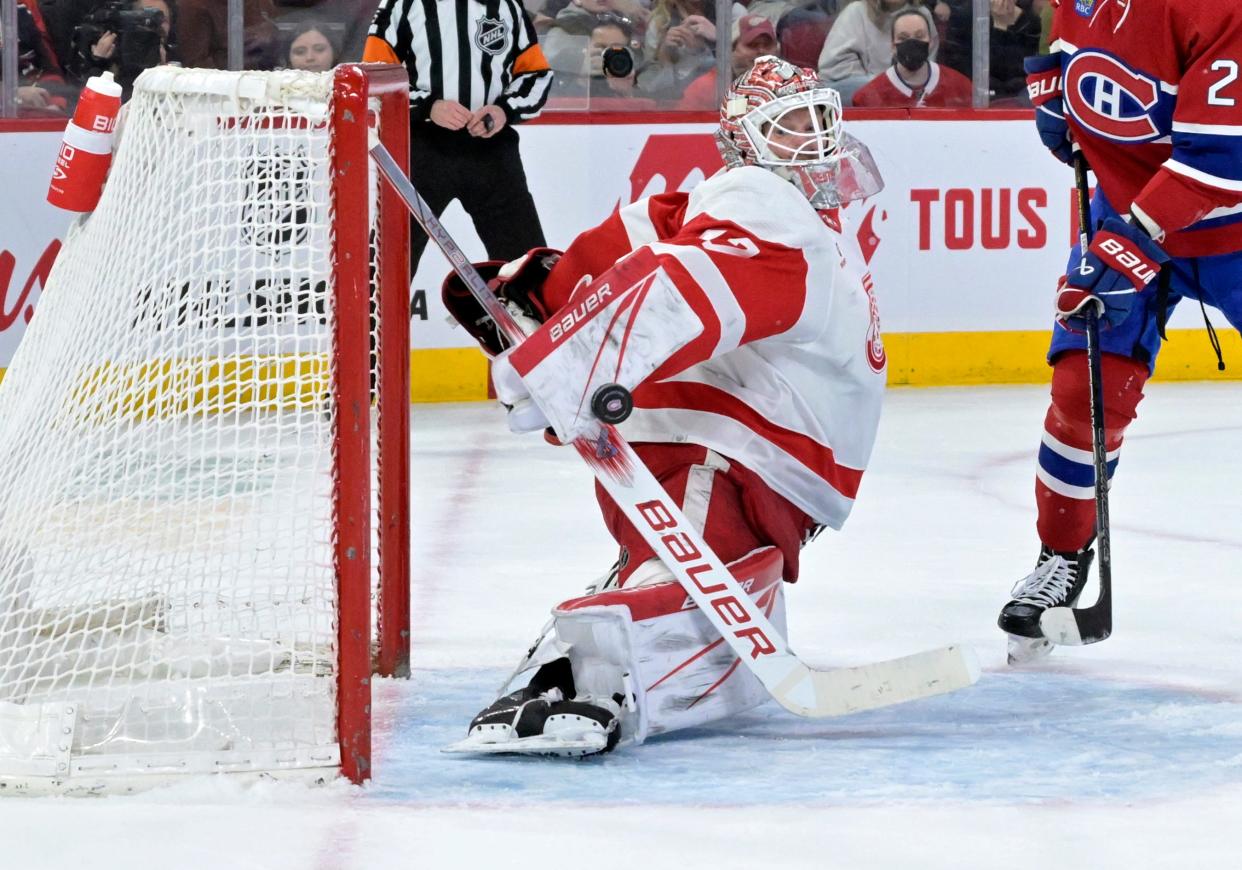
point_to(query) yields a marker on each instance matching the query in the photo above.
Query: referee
(476, 70)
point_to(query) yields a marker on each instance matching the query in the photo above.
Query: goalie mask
(783, 118)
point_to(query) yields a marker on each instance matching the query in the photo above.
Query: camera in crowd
(618, 62)
(139, 34)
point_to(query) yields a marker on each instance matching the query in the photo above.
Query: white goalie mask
(783, 118)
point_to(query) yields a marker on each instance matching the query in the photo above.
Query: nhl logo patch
(491, 35)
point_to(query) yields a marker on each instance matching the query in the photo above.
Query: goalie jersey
(1153, 95)
(787, 375)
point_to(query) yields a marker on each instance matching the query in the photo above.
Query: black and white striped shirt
(475, 52)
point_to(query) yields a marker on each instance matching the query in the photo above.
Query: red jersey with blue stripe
(1153, 94)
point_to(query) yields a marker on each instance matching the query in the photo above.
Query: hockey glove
(1043, 84)
(1120, 263)
(616, 330)
(523, 414)
(518, 284)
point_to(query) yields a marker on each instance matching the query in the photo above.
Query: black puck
(612, 403)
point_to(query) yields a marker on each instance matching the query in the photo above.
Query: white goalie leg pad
(547, 648)
(652, 645)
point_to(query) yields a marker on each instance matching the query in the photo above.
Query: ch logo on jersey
(491, 35)
(1110, 99)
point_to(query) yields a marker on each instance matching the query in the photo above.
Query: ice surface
(1127, 754)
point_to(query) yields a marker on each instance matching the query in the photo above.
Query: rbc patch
(491, 35)
(1084, 7)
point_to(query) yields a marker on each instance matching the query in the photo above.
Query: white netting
(167, 591)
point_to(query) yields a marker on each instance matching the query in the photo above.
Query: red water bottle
(86, 151)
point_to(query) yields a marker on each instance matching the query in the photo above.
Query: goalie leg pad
(734, 510)
(653, 647)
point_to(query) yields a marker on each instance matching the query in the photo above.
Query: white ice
(1127, 754)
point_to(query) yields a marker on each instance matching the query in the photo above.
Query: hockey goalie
(740, 319)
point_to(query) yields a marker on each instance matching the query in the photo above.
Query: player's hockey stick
(795, 686)
(1092, 624)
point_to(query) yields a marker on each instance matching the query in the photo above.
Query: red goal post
(356, 182)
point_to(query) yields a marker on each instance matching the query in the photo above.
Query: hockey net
(194, 439)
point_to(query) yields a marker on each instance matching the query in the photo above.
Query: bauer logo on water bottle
(86, 151)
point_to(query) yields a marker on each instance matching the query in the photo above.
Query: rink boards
(965, 241)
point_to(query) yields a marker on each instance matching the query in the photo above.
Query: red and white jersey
(945, 88)
(787, 375)
(1153, 94)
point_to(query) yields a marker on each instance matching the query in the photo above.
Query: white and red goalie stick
(798, 688)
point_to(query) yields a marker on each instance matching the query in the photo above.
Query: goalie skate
(585, 743)
(539, 720)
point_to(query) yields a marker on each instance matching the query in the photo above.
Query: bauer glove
(1118, 265)
(518, 284)
(1043, 85)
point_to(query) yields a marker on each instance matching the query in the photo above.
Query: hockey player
(753, 353)
(1150, 91)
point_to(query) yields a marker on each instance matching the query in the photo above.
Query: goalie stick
(798, 688)
(1067, 625)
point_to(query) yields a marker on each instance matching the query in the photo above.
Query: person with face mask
(915, 80)
(858, 47)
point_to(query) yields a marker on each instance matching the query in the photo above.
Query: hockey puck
(612, 403)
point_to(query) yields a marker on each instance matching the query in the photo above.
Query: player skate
(1057, 581)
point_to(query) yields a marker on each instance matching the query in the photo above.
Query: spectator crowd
(876, 53)
(605, 54)
(62, 43)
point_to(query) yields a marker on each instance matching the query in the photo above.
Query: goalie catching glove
(518, 284)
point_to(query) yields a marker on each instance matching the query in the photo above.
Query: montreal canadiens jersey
(788, 375)
(1153, 93)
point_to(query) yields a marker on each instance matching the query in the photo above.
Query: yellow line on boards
(450, 374)
(938, 359)
(915, 359)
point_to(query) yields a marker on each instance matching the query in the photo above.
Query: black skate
(545, 718)
(1057, 581)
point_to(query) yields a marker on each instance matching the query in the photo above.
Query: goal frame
(354, 86)
(366, 348)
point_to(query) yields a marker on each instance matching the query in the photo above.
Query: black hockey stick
(1092, 624)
